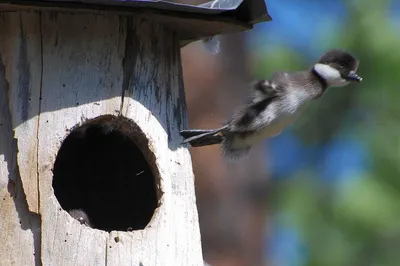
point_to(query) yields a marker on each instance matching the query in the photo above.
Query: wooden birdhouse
(91, 105)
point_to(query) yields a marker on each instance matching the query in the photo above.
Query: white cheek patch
(330, 75)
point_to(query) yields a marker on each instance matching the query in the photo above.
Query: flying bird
(275, 103)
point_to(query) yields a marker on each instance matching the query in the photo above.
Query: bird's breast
(275, 118)
(271, 130)
(294, 101)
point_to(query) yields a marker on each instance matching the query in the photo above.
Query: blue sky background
(294, 24)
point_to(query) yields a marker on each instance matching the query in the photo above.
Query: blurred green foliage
(358, 224)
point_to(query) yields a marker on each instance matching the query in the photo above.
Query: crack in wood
(130, 56)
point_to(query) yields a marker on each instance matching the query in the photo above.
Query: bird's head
(337, 68)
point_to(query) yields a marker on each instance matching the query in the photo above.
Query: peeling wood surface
(81, 80)
(19, 228)
(157, 106)
(62, 69)
(21, 56)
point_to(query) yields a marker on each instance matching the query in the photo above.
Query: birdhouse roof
(191, 21)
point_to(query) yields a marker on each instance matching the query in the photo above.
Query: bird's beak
(352, 76)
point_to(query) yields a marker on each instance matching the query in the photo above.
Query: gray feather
(272, 105)
(80, 216)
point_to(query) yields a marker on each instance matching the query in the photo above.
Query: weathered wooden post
(91, 104)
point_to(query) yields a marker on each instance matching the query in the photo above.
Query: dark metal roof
(219, 16)
(248, 11)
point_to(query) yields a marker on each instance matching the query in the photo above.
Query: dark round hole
(105, 169)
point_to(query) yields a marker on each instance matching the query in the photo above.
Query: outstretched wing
(262, 89)
(252, 116)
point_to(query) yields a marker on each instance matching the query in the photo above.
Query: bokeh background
(327, 190)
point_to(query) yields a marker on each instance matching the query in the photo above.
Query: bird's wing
(263, 89)
(249, 117)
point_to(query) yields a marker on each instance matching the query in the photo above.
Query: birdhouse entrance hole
(106, 169)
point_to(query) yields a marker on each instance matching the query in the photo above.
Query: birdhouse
(92, 170)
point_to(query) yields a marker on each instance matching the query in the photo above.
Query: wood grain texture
(81, 80)
(19, 228)
(77, 67)
(21, 56)
(155, 100)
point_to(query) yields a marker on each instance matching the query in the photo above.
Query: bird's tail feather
(201, 137)
(231, 153)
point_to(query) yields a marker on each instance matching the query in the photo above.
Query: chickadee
(275, 103)
(81, 216)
